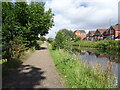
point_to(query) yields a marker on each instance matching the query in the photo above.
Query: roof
(81, 31)
(92, 32)
(116, 27)
(102, 30)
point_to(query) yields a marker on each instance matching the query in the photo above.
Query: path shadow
(26, 76)
(41, 48)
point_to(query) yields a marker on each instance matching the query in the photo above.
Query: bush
(50, 40)
(77, 39)
(113, 45)
(102, 44)
(42, 38)
(63, 39)
(37, 47)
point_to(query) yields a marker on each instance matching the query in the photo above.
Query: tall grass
(77, 75)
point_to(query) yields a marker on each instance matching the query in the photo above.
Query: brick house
(114, 32)
(80, 33)
(90, 35)
(99, 34)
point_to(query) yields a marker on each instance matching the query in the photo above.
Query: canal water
(109, 60)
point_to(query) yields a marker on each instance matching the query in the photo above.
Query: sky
(82, 14)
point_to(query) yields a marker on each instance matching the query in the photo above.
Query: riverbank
(109, 45)
(76, 75)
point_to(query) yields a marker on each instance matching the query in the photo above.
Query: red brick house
(114, 32)
(99, 34)
(90, 35)
(106, 34)
(80, 33)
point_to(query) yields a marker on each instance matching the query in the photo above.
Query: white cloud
(83, 14)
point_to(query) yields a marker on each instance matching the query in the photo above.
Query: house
(106, 34)
(99, 34)
(114, 32)
(90, 35)
(80, 33)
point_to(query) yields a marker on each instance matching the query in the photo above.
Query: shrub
(63, 39)
(113, 45)
(77, 39)
(42, 38)
(50, 40)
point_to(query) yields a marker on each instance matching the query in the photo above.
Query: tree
(24, 22)
(50, 40)
(63, 39)
(42, 38)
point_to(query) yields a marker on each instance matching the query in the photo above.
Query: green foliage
(42, 38)
(77, 39)
(76, 75)
(3, 61)
(63, 39)
(103, 44)
(85, 44)
(112, 45)
(18, 47)
(50, 40)
(21, 25)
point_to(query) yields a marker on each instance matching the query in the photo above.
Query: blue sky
(82, 14)
(83, 5)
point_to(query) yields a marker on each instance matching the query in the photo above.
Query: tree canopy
(22, 23)
(63, 39)
(42, 38)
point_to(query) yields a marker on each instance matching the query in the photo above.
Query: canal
(106, 60)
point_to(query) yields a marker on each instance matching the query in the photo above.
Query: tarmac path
(38, 71)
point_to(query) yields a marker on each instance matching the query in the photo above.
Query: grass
(109, 45)
(76, 75)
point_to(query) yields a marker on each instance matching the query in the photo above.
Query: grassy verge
(76, 75)
(109, 45)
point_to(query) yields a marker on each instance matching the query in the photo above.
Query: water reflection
(106, 62)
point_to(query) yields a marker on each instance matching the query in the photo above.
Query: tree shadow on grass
(26, 76)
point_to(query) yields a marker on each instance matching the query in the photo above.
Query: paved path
(38, 71)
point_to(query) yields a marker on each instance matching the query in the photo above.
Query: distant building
(99, 34)
(80, 33)
(114, 31)
(90, 35)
